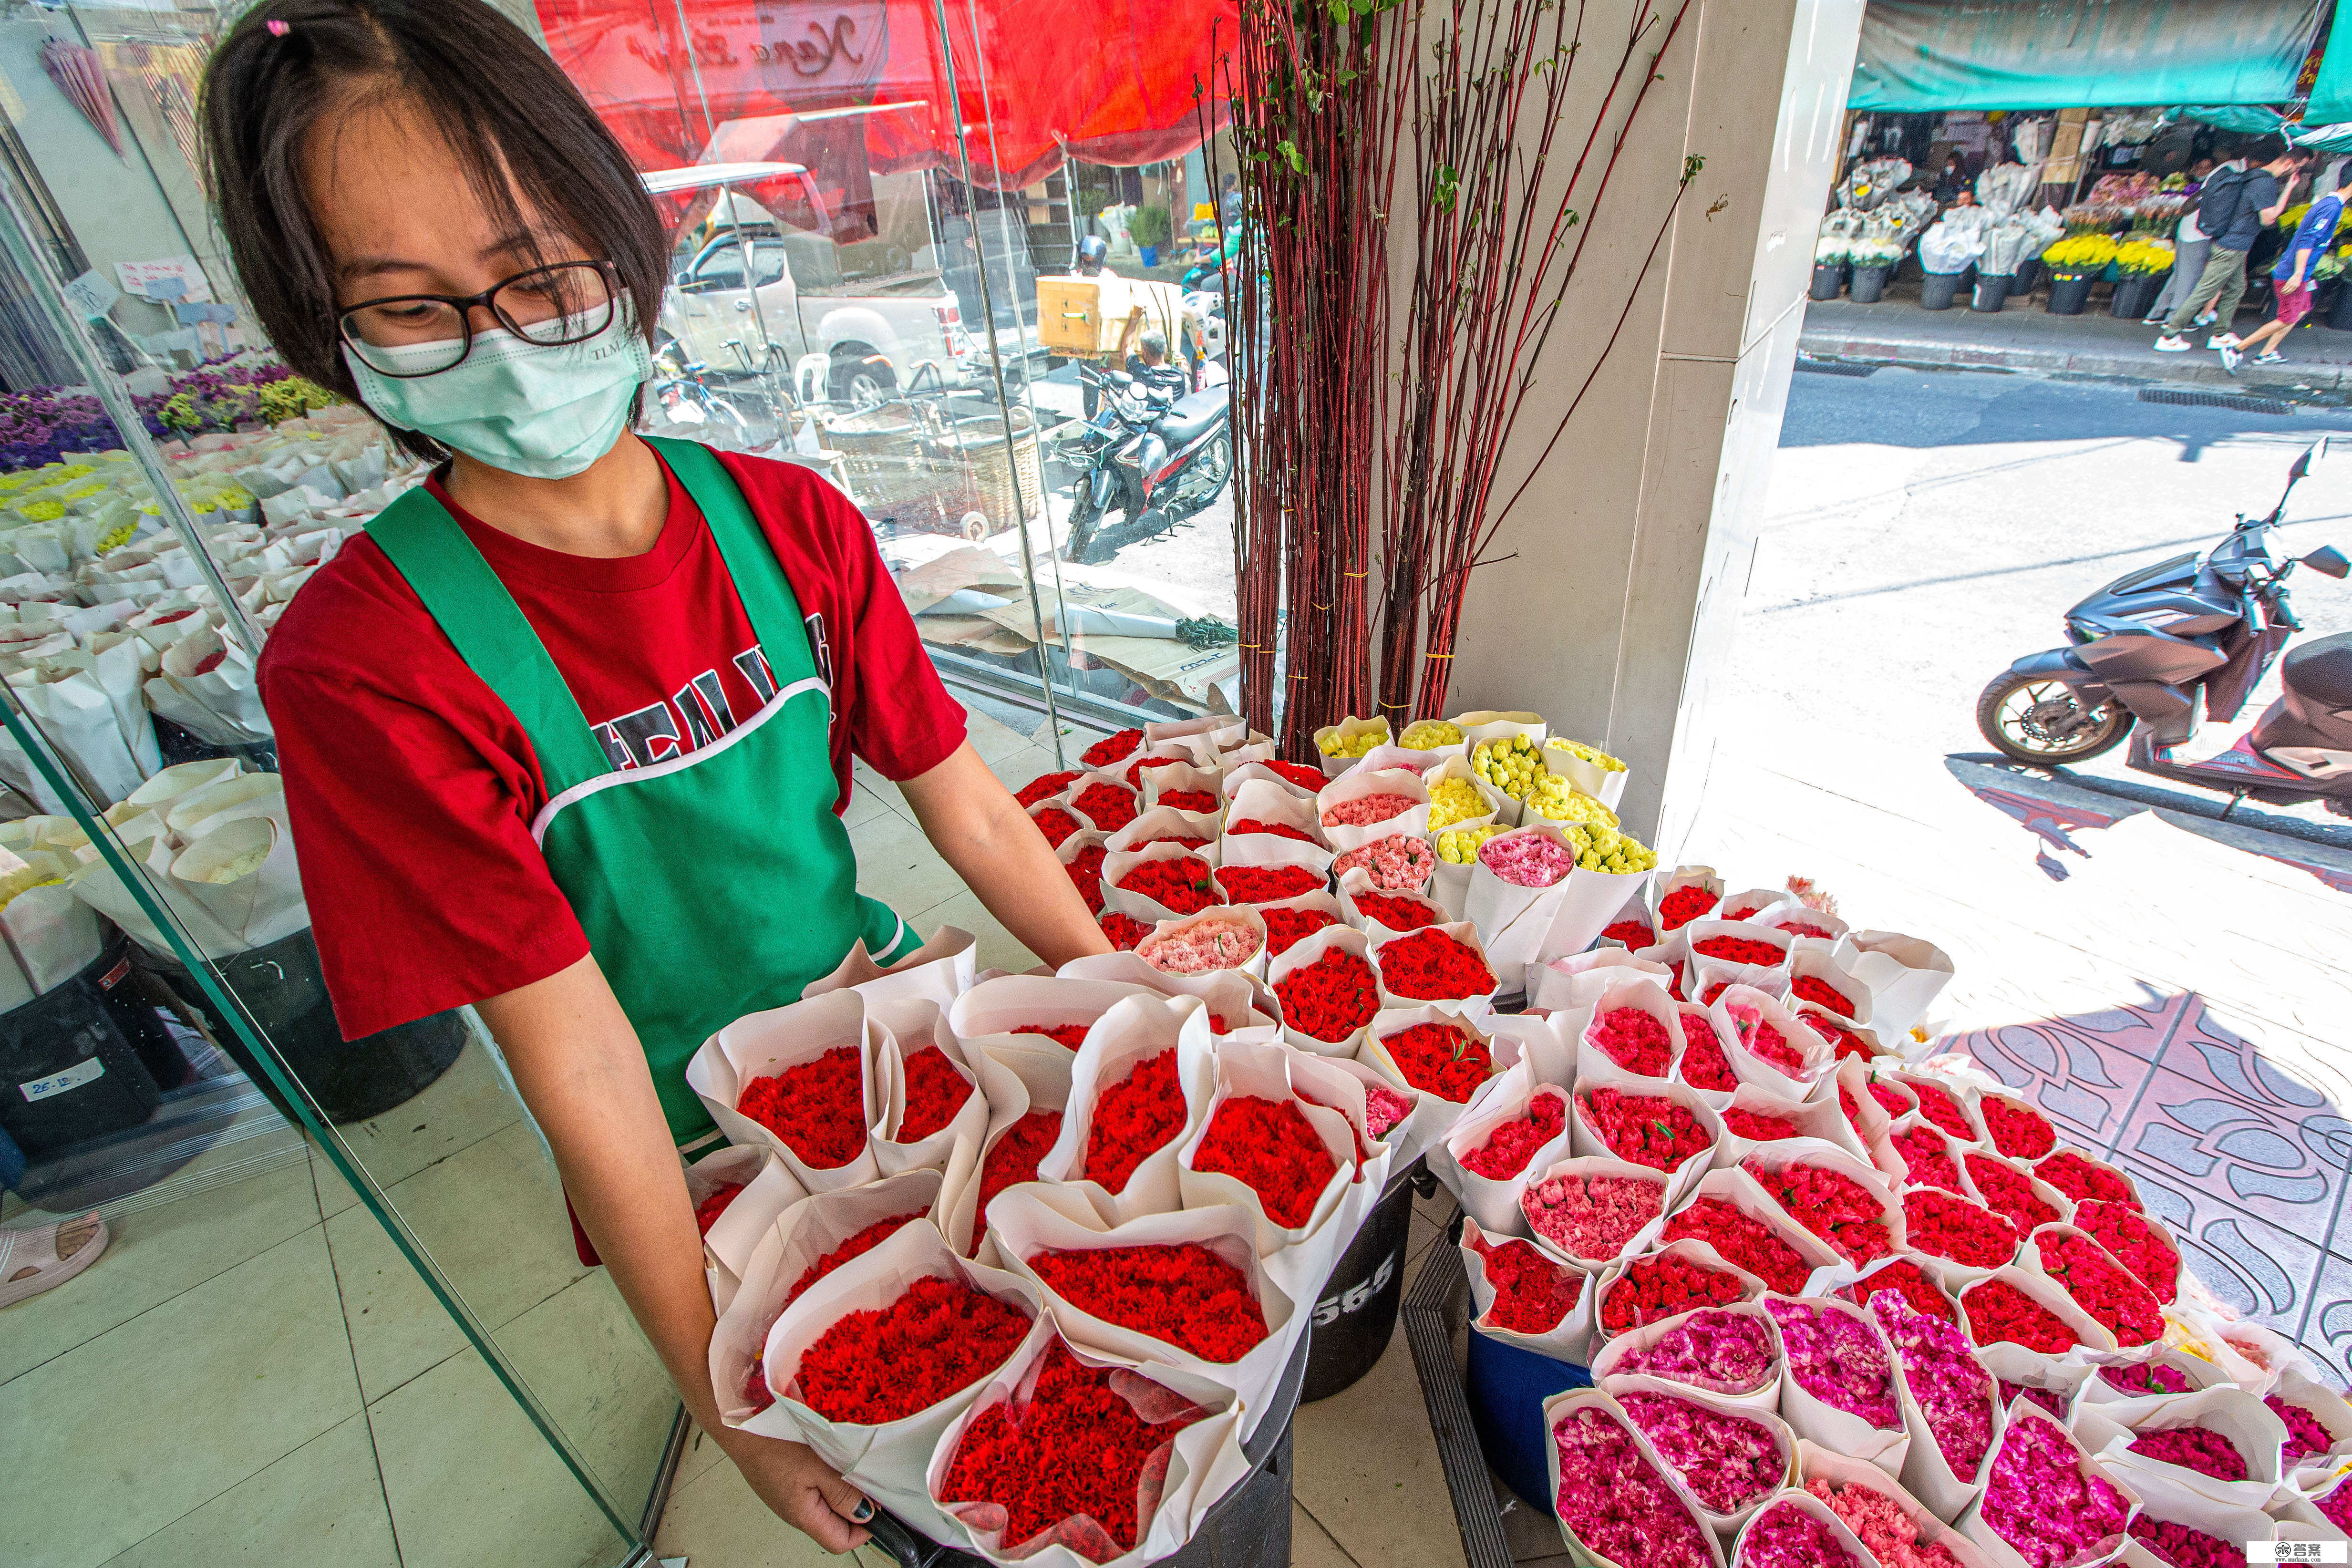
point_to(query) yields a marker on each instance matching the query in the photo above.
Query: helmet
(1092, 251)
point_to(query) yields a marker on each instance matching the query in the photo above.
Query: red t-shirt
(412, 788)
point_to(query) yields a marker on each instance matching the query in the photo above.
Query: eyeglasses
(408, 335)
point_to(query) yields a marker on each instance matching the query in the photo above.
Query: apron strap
(480, 617)
(760, 582)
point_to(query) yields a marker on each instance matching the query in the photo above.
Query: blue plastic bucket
(1507, 1387)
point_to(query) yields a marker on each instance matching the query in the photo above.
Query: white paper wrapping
(1136, 1029)
(1566, 1341)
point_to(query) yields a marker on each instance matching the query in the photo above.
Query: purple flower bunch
(1954, 1391)
(1840, 1359)
(40, 426)
(1786, 1536)
(2041, 1501)
(2183, 1547)
(1728, 1461)
(1719, 1350)
(1615, 1500)
(2304, 1435)
(2198, 1448)
(2050, 1399)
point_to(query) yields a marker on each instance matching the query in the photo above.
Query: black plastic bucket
(1249, 1529)
(1356, 1311)
(2068, 294)
(1827, 276)
(1938, 288)
(281, 986)
(1506, 1388)
(68, 1072)
(2133, 296)
(1869, 283)
(1991, 292)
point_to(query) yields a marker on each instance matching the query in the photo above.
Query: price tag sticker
(2298, 1551)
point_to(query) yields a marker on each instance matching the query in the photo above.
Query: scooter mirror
(2329, 560)
(2302, 467)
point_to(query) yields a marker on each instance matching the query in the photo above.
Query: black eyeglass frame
(465, 304)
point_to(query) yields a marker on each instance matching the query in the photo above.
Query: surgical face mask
(543, 411)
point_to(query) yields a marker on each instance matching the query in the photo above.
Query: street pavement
(2172, 989)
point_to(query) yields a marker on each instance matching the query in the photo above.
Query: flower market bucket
(1991, 292)
(1869, 283)
(2339, 313)
(2068, 294)
(1355, 1313)
(1248, 1528)
(1826, 279)
(75, 1074)
(1506, 1388)
(1936, 290)
(2134, 295)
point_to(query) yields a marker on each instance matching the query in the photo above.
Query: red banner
(1108, 81)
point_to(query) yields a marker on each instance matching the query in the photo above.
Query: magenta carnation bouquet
(1794, 1533)
(2043, 1499)
(1612, 1500)
(1725, 1351)
(1838, 1359)
(1730, 1461)
(1953, 1393)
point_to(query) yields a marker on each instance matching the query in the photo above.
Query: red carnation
(1085, 875)
(1124, 931)
(1533, 1295)
(1911, 1282)
(1330, 998)
(1284, 928)
(935, 1093)
(1105, 805)
(2126, 1233)
(1937, 1105)
(1843, 1042)
(1013, 1160)
(1278, 829)
(1133, 1118)
(2008, 1193)
(1266, 884)
(1757, 1126)
(818, 1108)
(1401, 912)
(1308, 779)
(939, 1337)
(2102, 1288)
(1662, 1285)
(1833, 1205)
(1115, 747)
(1135, 768)
(1044, 786)
(1647, 1129)
(2082, 1179)
(1684, 905)
(1744, 1241)
(1927, 1159)
(1633, 1039)
(855, 1246)
(1070, 1035)
(1443, 1059)
(1056, 824)
(1999, 1312)
(1192, 800)
(1704, 1065)
(1740, 950)
(707, 1212)
(2019, 1132)
(1271, 1147)
(1180, 883)
(1185, 1295)
(1077, 1451)
(1635, 934)
(1822, 994)
(1430, 965)
(1511, 1145)
(1943, 1225)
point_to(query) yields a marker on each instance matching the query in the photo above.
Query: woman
(566, 734)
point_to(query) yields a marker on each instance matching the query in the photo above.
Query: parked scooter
(2173, 645)
(684, 397)
(1147, 462)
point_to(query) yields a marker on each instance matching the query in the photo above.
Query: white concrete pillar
(1630, 554)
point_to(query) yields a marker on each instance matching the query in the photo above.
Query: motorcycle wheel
(1083, 519)
(2044, 722)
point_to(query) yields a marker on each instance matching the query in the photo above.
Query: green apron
(711, 884)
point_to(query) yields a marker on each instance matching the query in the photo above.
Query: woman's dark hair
(507, 110)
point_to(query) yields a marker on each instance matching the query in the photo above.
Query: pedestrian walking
(2292, 276)
(2190, 246)
(2242, 199)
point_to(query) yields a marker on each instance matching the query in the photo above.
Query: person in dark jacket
(2239, 201)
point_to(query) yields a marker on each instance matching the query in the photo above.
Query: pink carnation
(1879, 1521)
(1634, 1039)
(1953, 1389)
(1365, 810)
(1530, 860)
(1728, 1461)
(1715, 1350)
(2304, 1435)
(1383, 1108)
(1401, 862)
(1199, 948)
(1840, 1359)
(1592, 1216)
(1786, 1536)
(1615, 1500)
(2041, 1502)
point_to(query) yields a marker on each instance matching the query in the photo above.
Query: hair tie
(278, 29)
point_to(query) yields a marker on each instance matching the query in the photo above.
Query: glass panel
(350, 1258)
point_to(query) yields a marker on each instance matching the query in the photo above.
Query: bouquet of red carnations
(1068, 1457)
(798, 1080)
(1137, 1090)
(1282, 1136)
(1516, 1127)
(928, 1088)
(1524, 1297)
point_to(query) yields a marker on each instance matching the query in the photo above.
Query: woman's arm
(577, 1061)
(976, 825)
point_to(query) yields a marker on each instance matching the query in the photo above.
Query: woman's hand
(976, 825)
(801, 1490)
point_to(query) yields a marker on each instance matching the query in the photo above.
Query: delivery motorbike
(2159, 652)
(1146, 460)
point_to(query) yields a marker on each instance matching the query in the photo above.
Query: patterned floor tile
(2258, 1270)
(2327, 1329)
(2216, 1144)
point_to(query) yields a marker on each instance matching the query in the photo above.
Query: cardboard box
(1083, 317)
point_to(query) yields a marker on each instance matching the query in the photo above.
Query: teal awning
(2331, 94)
(1920, 55)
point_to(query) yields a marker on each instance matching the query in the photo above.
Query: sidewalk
(2025, 337)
